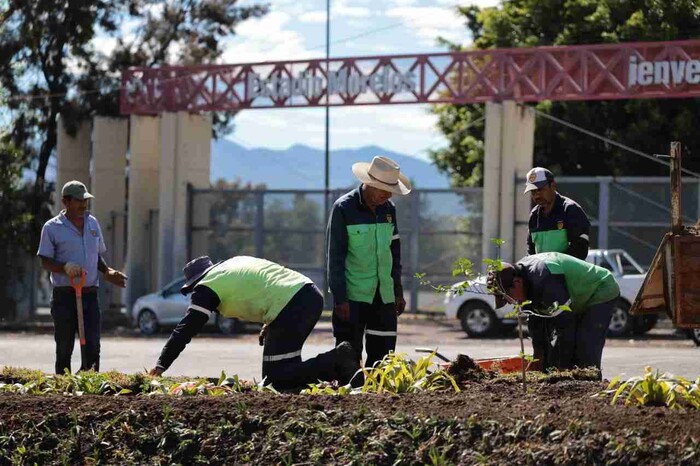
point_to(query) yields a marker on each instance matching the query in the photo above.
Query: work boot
(346, 363)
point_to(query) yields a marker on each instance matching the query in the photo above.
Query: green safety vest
(586, 283)
(252, 289)
(369, 261)
(550, 241)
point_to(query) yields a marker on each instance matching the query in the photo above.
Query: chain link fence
(437, 226)
(631, 213)
(288, 227)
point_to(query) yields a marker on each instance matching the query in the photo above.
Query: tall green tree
(53, 59)
(647, 125)
(15, 224)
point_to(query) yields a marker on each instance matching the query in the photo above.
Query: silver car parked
(167, 307)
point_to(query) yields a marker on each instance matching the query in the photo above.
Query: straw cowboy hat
(382, 173)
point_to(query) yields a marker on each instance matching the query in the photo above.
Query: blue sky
(295, 29)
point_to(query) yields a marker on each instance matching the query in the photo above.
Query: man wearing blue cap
(557, 223)
(257, 290)
(72, 243)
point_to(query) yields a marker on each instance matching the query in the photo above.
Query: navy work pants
(282, 365)
(64, 311)
(375, 322)
(571, 339)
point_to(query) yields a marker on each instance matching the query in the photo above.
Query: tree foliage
(15, 223)
(65, 57)
(647, 125)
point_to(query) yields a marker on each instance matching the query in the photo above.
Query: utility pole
(326, 165)
(327, 152)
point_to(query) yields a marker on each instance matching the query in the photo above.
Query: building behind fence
(437, 226)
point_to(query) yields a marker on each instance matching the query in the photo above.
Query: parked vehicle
(476, 311)
(694, 334)
(167, 307)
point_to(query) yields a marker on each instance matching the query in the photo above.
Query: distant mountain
(301, 167)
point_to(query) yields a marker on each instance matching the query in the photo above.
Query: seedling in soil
(463, 268)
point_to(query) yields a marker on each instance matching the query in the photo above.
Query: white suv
(475, 309)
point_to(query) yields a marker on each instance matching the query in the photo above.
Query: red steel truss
(589, 72)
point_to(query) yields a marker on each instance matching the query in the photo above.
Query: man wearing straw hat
(364, 259)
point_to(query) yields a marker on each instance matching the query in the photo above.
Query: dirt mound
(488, 422)
(465, 369)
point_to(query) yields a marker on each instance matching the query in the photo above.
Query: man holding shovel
(71, 248)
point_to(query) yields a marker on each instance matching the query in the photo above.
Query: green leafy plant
(395, 373)
(655, 389)
(521, 310)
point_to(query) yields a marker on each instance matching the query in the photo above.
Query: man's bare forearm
(52, 265)
(101, 264)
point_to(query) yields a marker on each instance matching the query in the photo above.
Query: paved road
(208, 354)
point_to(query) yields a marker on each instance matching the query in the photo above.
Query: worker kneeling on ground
(567, 339)
(257, 290)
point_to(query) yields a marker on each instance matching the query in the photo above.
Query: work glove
(263, 334)
(72, 269)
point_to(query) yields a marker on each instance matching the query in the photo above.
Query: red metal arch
(588, 72)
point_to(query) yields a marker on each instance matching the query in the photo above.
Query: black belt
(70, 289)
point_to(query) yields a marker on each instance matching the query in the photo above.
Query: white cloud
(339, 9)
(318, 16)
(431, 22)
(342, 9)
(266, 39)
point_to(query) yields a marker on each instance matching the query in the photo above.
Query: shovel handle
(78, 282)
(78, 287)
(431, 350)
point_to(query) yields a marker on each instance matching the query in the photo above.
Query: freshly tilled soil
(489, 422)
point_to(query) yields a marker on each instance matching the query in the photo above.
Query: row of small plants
(35, 382)
(395, 374)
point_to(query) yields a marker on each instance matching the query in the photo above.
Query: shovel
(430, 350)
(77, 283)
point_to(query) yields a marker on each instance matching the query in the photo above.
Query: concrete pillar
(200, 209)
(509, 149)
(509, 142)
(72, 158)
(184, 159)
(110, 137)
(492, 179)
(523, 163)
(144, 163)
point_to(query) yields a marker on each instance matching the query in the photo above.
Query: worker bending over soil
(568, 339)
(257, 290)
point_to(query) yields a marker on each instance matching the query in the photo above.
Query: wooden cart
(673, 281)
